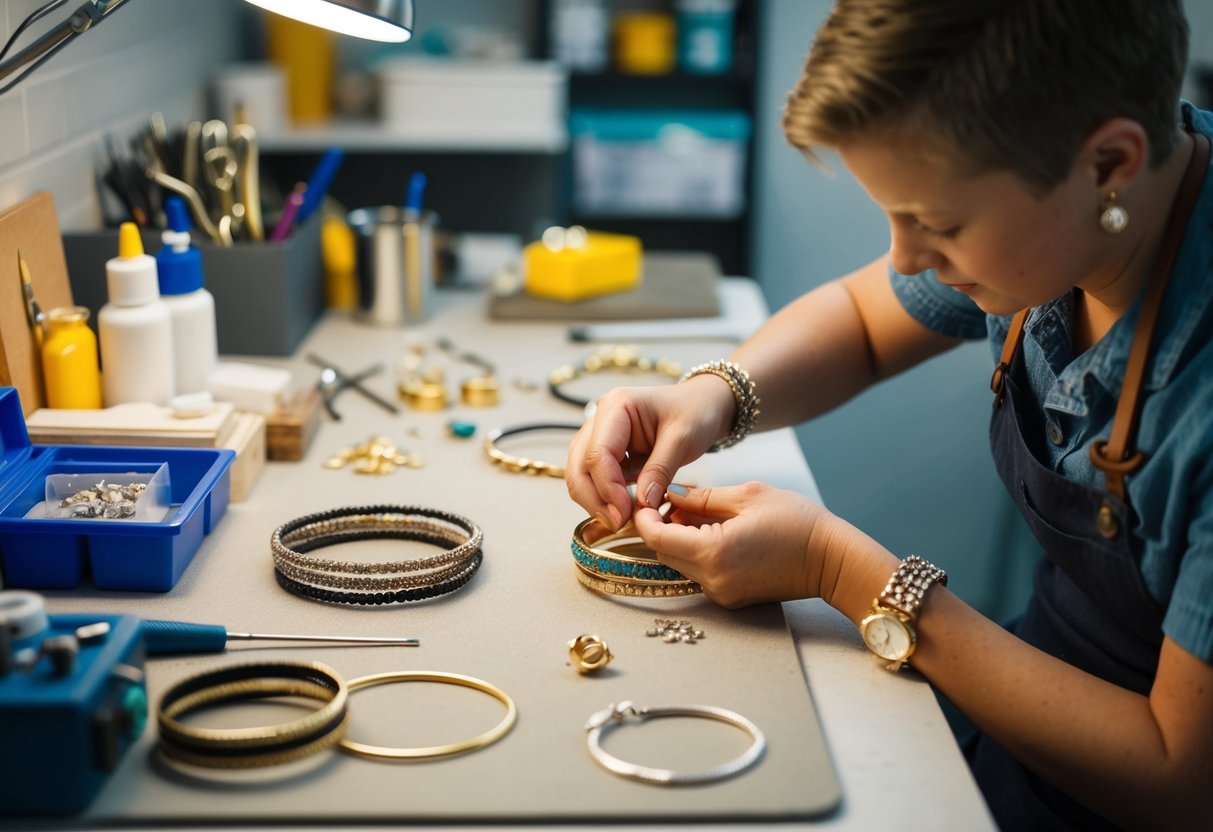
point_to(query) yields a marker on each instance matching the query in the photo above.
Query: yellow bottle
(69, 360)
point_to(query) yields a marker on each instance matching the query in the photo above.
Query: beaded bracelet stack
(619, 564)
(743, 392)
(342, 582)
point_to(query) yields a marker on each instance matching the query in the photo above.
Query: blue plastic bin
(42, 553)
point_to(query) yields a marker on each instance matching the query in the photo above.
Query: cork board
(32, 228)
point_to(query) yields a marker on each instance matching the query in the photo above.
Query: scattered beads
(672, 630)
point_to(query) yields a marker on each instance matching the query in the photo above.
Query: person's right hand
(644, 435)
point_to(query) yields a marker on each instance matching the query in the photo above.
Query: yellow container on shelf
(69, 360)
(645, 43)
(305, 54)
(601, 264)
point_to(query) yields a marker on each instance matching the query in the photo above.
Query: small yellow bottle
(69, 360)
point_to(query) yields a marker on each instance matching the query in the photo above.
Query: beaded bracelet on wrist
(743, 394)
(620, 358)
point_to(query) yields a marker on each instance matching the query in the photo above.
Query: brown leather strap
(1114, 456)
(998, 382)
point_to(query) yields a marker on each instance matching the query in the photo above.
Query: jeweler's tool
(165, 637)
(354, 381)
(33, 312)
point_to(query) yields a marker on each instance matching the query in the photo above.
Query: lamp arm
(84, 18)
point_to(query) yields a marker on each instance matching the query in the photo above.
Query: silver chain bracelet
(615, 715)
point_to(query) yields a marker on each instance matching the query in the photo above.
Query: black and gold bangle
(334, 581)
(625, 359)
(399, 596)
(254, 746)
(522, 465)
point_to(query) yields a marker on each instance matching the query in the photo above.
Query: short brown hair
(1012, 85)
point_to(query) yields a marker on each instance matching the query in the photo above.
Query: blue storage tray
(44, 553)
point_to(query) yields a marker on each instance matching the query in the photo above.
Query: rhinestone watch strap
(909, 583)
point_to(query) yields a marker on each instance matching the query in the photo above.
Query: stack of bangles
(255, 746)
(342, 582)
(620, 564)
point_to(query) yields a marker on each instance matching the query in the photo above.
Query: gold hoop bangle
(636, 589)
(487, 738)
(522, 465)
(621, 358)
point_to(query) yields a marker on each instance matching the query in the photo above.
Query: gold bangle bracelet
(620, 358)
(636, 589)
(487, 738)
(522, 465)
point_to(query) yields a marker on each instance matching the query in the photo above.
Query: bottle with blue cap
(134, 327)
(190, 305)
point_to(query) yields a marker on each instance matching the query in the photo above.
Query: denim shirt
(1072, 400)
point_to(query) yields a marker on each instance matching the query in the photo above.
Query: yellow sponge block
(605, 264)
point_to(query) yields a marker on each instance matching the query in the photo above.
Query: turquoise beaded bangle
(602, 560)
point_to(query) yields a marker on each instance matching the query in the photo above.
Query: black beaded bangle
(400, 596)
(622, 358)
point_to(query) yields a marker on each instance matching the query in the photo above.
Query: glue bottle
(69, 360)
(191, 307)
(135, 327)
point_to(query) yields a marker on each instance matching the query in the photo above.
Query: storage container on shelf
(637, 163)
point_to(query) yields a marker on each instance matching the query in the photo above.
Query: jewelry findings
(627, 712)
(671, 631)
(375, 456)
(589, 653)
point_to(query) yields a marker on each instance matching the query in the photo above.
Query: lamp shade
(390, 21)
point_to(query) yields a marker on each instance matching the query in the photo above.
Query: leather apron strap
(1114, 456)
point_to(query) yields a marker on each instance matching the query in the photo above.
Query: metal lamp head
(390, 21)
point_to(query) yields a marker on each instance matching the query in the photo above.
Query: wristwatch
(888, 630)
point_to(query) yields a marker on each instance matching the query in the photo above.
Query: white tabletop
(892, 750)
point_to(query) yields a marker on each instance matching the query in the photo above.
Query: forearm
(1101, 743)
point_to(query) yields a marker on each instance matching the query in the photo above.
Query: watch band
(909, 583)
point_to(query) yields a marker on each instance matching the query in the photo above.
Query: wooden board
(131, 423)
(31, 227)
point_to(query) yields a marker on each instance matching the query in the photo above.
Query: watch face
(887, 636)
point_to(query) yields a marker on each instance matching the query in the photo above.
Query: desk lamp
(383, 20)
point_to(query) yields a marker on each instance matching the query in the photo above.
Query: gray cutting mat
(509, 626)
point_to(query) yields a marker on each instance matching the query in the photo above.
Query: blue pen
(413, 201)
(318, 184)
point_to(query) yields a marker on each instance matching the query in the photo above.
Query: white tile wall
(149, 55)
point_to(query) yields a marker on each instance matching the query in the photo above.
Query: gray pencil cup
(395, 254)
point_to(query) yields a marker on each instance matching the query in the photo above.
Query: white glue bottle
(191, 307)
(135, 330)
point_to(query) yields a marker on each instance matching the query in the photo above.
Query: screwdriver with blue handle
(167, 637)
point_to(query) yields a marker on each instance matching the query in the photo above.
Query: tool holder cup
(395, 264)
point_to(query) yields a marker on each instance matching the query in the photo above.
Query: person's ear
(1115, 154)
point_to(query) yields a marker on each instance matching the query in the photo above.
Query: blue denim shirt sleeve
(937, 307)
(1189, 617)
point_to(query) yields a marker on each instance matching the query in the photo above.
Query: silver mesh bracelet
(743, 393)
(614, 715)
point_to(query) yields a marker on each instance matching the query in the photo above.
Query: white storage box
(475, 103)
(659, 163)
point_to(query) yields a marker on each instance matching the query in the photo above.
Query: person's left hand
(743, 544)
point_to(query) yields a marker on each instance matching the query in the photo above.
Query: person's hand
(644, 435)
(743, 544)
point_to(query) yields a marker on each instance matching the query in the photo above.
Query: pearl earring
(1114, 218)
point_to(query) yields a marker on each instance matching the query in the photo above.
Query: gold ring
(590, 653)
(487, 738)
(481, 391)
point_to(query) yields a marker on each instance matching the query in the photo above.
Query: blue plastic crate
(44, 553)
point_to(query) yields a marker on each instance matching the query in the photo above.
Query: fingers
(668, 455)
(595, 480)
